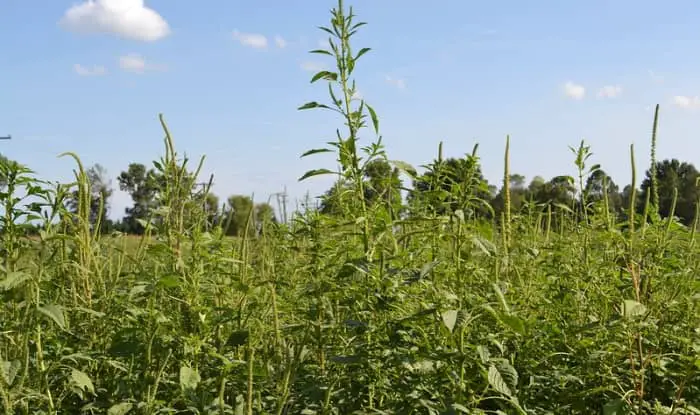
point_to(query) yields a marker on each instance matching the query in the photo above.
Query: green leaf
(361, 52)
(14, 280)
(427, 269)
(189, 378)
(316, 151)
(501, 297)
(460, 408)
(484, 245)
(169, 281)
(327, 75)
(563, 207)
(120, 408)
(315, 172)
(632, 309)
(82, 380)
(375, 119)
(513, 322)
(55, 313)
(321, 52)
(615, 407)
(496, 381)
(309, 105)
(9, 370)
(484, 354)
(449, 318)
(508, 372)
(238, 338)
(403, 166)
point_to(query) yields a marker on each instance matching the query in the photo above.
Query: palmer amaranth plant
(566, 296)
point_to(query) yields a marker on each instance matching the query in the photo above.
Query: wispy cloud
(312, 66)
(574, 91)
(94, 70)
(610, 91)
(398, 83)
(280, 42)
(137, 64)
(686, 102)
(252, 40)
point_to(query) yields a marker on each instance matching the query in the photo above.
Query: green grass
(361, 312)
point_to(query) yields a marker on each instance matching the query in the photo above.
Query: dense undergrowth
(546, 310)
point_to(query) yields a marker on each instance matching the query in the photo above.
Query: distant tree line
(238, 215)
(452, 184)
(445, 186)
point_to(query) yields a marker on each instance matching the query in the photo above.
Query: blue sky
(228, 76)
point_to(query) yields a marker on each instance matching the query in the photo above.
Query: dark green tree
(674, 174)
(100, 192)
(381, 183)
(451, 184)
(142, 185)
(518, 195)
(598, 184)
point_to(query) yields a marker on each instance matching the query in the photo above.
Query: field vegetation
(561, 296)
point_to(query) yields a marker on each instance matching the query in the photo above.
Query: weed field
(544, 309)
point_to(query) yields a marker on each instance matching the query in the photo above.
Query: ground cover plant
(563, 297)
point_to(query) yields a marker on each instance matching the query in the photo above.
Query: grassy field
(545, 311)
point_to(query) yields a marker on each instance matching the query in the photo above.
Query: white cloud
(94, 70)
(253, 40)
(398, 83)
(129, 19)
(610, 91)
(686, 102)
(137, 64)
(312, 66)
(574, 91)
(280, 42)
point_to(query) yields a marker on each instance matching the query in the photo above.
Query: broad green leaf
(82, 380)
(508, 372)
(238, 338)
(615, 407)
(189, 378)
(55, 313)
(515, 323)
(327, 75)
(563, 207)
(496, 381)
(484, 245)
(169, 281)
(120, 408)
(449, 318)
(403, 166)
(14, 280)
(632, 308)
(460, 408)
(501, 297)
(9, 370)
(484, 354)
